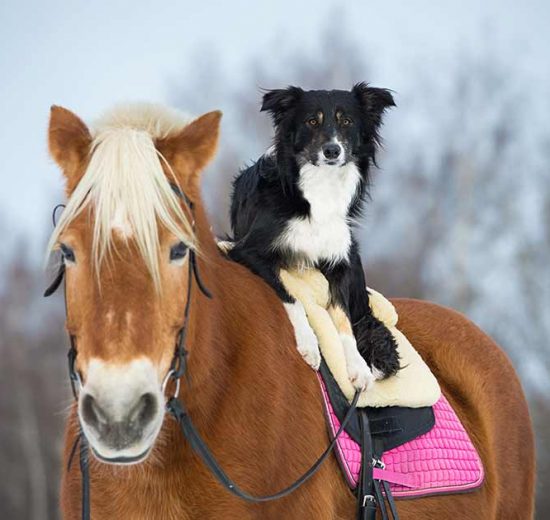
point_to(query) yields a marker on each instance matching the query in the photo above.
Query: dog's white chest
(325, 235)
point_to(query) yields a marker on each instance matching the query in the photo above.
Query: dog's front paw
(306, 341)
(309, 348)
(380, 348)
(359, 373)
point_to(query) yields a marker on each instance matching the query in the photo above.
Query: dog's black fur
(267, 195)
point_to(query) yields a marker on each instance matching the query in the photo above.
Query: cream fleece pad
(413, 386)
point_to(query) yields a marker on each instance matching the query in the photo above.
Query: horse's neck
(209, 342)
(236, 338)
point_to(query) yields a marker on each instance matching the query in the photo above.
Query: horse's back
(481, 384)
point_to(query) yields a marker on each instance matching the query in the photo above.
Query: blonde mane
(125, 184)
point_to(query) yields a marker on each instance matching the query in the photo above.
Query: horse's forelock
(126, 187)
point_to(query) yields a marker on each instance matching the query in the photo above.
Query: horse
(134, 220)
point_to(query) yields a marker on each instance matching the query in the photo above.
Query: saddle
(403, 440)
(392, 452)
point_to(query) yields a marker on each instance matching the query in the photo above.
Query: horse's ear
(69, 142)
(190, 150)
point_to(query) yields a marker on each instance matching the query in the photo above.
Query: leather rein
(174, 404)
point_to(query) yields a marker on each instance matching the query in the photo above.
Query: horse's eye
(178, 251)
(67, 253)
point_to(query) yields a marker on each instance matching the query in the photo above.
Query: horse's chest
(325, 234)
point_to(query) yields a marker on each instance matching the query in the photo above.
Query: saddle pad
(441, 461)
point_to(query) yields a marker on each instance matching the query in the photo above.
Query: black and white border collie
(295, 207)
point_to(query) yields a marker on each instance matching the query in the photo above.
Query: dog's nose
(332, 151)
(119, 432)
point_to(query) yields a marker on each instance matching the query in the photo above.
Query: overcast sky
(89, 55)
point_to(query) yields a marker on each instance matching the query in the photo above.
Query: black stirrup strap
(366, 501)
(391, 501)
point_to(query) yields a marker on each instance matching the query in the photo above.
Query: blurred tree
(32, 386)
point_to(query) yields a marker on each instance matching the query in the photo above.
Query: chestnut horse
(125, 239)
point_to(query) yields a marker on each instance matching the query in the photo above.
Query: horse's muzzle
(120, 434)
(121, 410)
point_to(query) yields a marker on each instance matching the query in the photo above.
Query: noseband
(174, 405)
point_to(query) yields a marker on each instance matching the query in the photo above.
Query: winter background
(461, 202)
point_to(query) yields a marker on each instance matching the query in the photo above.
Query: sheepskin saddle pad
(404, 440)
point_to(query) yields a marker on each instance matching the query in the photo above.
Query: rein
(174, 404)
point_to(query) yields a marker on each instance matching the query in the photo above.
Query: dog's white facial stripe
(326, 234)
(342, 157)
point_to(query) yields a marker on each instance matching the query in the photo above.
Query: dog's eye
(313, 121)
(178, 251)
(346, 121)
(67, 253)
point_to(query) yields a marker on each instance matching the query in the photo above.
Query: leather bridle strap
(178, 410)
(85, 473)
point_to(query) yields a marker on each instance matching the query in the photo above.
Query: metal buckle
(370, 498)
(171, 374)
(377, 463)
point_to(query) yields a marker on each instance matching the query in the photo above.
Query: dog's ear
(279, 101)
(375, 101)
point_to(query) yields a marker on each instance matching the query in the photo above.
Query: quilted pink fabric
(444, 460)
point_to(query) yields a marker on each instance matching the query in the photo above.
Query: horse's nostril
(144, 410)
(115, 423)
(331, 150)
(91, 412)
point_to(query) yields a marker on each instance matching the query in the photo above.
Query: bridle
(174, 405)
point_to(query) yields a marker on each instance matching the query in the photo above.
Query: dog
(296, 205)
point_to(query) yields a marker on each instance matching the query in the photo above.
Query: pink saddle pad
(444, 460)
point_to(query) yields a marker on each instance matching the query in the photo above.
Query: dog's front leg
(359, 373)
(306, 341)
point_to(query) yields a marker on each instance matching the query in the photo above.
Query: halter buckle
(171, 374)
